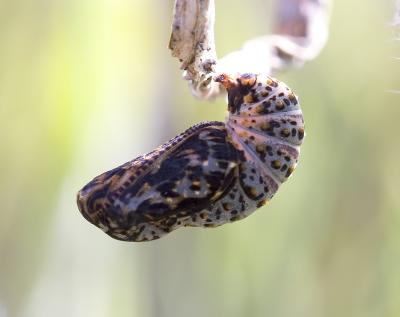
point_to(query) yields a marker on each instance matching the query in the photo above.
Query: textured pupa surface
(211, 174)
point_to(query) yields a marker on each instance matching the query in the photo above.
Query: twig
(192, 41)
(301, 27)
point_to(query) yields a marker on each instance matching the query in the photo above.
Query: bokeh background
(88, 85)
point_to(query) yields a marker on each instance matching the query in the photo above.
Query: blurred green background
(87, 85)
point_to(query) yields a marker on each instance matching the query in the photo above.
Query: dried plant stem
(301, 33)
(192, 41)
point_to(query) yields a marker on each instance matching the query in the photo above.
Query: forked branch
(301, 33)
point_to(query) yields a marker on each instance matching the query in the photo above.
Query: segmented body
(211, 174)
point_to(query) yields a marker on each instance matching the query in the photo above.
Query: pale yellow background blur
(87, 85)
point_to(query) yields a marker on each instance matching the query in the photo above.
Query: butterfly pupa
(211, 174)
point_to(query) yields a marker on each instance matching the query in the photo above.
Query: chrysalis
(211, 174)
